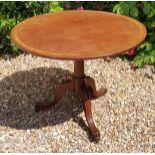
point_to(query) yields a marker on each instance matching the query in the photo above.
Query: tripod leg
(66, 86)
(86, 95)
(88, 113)
(90, 83)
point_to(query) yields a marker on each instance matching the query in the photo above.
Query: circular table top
(78, 35)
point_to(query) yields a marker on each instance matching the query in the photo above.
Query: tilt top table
(78, 35)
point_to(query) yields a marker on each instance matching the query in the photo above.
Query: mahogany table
(78, 35)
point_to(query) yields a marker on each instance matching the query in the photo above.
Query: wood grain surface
(78, 35)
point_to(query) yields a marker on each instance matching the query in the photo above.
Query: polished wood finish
(78, 68)
(78, 35)
(84, 87)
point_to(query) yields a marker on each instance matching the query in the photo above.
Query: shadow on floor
(20, 92)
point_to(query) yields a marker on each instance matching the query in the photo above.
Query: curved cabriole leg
(62, 88)
(90, 83)
(86, 96)
(88, 113)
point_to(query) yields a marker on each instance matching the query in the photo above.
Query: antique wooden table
(78, 35)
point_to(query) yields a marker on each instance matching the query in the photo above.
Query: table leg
(88, 113)
(84, 87)
(62, 88)
(86, 97)
(90, 83)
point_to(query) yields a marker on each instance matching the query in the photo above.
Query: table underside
(83, 86)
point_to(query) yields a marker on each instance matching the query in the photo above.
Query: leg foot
(101, 92)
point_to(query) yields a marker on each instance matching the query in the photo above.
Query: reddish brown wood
(79, 69)
(85, 88)
(88, 113)
(62, 88)
(86, 95)
(90, 83)
(78, 35)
